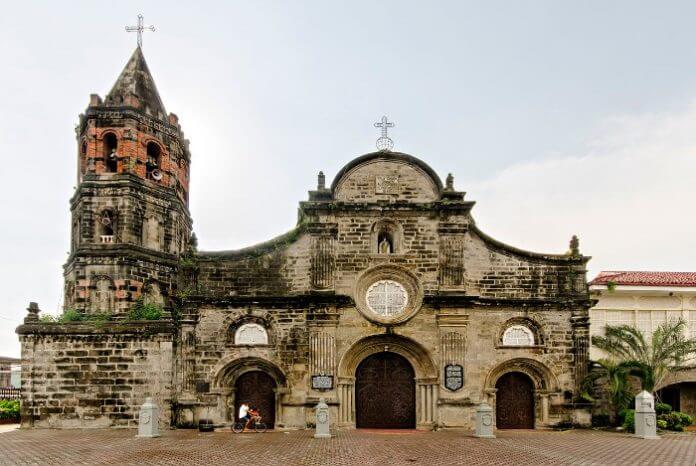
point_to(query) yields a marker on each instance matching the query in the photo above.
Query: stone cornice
(121, 250)
(125, 181)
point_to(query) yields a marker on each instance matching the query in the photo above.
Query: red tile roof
(646, 278)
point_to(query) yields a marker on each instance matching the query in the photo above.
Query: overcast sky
(558, 118)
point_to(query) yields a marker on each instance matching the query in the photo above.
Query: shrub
(600, 420)
(145, 311)
(675, 420)
(629, 420)
(71, 315)
(9, 409)
(661, 424)
(662, 408)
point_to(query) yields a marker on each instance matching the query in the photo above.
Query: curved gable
(386, 176)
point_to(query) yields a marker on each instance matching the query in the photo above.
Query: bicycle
(258, 427)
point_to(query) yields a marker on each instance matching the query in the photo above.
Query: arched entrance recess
(543, 384)
(514, 402)
(256, 389)
(385, 392)
(424, 374)
(680, 396)
(252, 380)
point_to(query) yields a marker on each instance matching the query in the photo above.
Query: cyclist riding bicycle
(254, 417)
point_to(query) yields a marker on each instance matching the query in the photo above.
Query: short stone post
(148, 423)
(484, 421)
(645, 418)
(322, 421)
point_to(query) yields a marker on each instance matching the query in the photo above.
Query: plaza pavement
(355, 447)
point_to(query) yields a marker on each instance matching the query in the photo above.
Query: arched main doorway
(514, 401)
(385, 392)
(256, 388)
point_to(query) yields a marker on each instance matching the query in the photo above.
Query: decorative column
(544, 407)
(346, 400)
(426, 402)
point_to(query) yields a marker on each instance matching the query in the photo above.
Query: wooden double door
(256, 388)
(385, 392)
(514, 401)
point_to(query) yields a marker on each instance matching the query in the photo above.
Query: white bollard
(322, 422)
(148, 422)
(645, 418)
(484, 421)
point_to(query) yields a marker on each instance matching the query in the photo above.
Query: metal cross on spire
(140, 28)
(384, 143)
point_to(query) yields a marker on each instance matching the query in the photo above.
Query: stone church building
(386, 299)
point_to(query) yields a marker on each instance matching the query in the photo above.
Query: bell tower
(130, 217)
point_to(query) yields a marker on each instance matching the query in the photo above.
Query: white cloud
(629, 196)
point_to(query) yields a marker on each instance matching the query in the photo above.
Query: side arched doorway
(256, 388)
(385, 392)
(514, 401)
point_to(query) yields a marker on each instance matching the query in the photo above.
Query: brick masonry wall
(93, 377)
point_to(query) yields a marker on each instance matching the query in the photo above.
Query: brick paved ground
(189, 447)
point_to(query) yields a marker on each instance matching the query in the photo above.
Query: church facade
(386, 299)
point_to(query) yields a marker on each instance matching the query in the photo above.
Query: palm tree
(616, 375)
(651, 360)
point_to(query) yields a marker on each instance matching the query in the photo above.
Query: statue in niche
(384, 246)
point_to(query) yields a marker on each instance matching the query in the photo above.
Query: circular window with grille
(388, 294)
(386, 298)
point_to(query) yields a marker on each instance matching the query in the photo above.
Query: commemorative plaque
(454, 377)
(322, 382)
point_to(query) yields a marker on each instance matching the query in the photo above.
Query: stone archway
(256, 389)
(257, 381)
(532, 377)
(425, 376)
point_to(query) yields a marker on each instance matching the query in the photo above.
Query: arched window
(152, 165)
(251, 334)
(107, 226)
(518, 335)
(110, 155)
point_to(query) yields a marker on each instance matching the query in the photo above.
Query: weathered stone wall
(76, 375)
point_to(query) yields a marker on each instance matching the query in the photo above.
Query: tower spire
(135, 87)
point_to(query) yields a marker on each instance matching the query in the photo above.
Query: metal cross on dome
(384, 143)
(140, 28)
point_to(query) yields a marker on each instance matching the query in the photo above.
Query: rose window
(386, 298)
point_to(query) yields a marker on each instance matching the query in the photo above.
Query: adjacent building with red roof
(645, 300)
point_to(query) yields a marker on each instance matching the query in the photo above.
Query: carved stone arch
(425, 377)
(677, 377)
(411, 350)
(390, 231)
(240, 317)
(531, 324)
(541, 376)
(230, 368)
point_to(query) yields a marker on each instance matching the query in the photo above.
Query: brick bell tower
(130, 217)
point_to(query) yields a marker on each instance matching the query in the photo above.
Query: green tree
(651, 360)
(616, 375)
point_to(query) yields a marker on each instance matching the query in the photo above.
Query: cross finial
(140, 28)
(384, 143)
